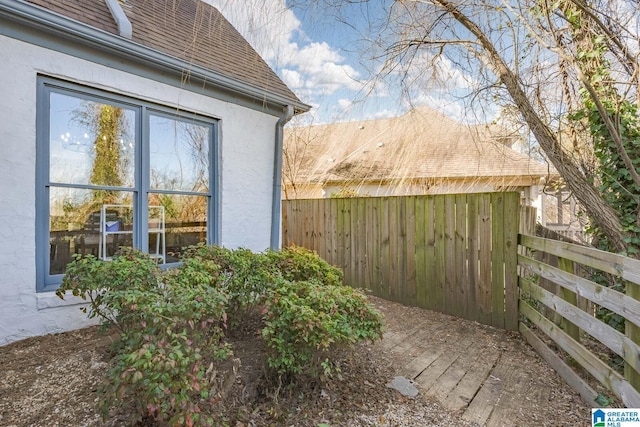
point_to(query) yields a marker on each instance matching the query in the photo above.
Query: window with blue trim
(114, 171)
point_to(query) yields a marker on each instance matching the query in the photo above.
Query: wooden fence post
(633, 332)
(572, 330)
(510, 233)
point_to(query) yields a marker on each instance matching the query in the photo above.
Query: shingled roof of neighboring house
(190, 30)
(421, 144)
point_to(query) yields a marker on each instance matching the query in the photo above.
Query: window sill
(46, 300)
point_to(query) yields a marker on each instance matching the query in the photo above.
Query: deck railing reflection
(65, 243)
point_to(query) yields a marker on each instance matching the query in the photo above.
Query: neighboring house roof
(421, 144)
(189, 30)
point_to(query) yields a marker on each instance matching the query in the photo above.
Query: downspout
(124, 25)
(276, 201)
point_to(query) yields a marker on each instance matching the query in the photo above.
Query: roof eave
(387, 180)
(36, 17)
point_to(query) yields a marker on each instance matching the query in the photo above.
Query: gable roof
(421, 144)
(190, 30)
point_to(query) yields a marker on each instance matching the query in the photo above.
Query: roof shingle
(421, 144)
(190, 30)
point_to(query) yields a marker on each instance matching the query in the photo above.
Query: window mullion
(143, 181)
(213, 215)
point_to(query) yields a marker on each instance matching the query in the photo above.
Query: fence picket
(408, 251)
(472, 257)
(497, 260)
(437, 290)
(452, 305)
(460, 264)
(430, 251)
(484, 238)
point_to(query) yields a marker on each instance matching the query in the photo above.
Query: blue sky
(327, 62)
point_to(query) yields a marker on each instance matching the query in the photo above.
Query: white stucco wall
(246, 139)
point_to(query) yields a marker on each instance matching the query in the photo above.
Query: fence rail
(450, 253)
(558, 317)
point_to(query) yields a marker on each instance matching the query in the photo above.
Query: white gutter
(124, 25)
(276, 201)
(37, 17)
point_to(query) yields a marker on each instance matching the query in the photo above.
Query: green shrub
(101, 282)
(172, 323)
(244, 275)
(306, 321)
(160, 366)
(295, 263)
(171, 330)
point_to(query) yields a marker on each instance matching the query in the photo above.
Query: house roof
(189, 30)
(421, 144)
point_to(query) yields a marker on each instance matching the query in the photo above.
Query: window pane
(80, 222)
(185, 224)
(90, 142)
(179, 155)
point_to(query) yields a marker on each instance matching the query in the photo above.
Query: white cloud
(268, 25)
(292, 78)
(314, 55)
(324, 77)
(345, 103)
(436, 73)
(383, 114)
(311, 68)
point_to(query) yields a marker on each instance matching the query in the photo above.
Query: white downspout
(277, 179)
(124, 25)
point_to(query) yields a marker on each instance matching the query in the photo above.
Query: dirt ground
(53, 381)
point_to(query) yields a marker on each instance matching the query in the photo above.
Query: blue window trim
(141, 189)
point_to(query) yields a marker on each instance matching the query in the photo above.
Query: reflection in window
(182, 221)
(179, 154)
(90, 142)
(78, 225)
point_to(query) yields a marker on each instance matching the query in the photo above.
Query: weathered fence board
(600, 370)
(450, 253)
(608, 336)
(618, 302)
(576, 382)
(537, 279)
(510, 218)
(627, 268)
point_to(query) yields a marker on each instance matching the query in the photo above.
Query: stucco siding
(246, 142)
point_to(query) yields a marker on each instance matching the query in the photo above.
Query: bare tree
(531, 54)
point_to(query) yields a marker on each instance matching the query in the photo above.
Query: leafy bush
(101, 282)
(161, 365)
(171, 330)
(306, 321)
(244, 275)
(295, 263)
(172, 323)
(248, 276)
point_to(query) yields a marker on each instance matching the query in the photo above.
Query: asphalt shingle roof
(190, 30)
(421, 144)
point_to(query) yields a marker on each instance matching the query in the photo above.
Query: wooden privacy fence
(462, 255)
(556, 315)
(454, 254)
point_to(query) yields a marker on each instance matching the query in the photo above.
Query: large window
(114, 171)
